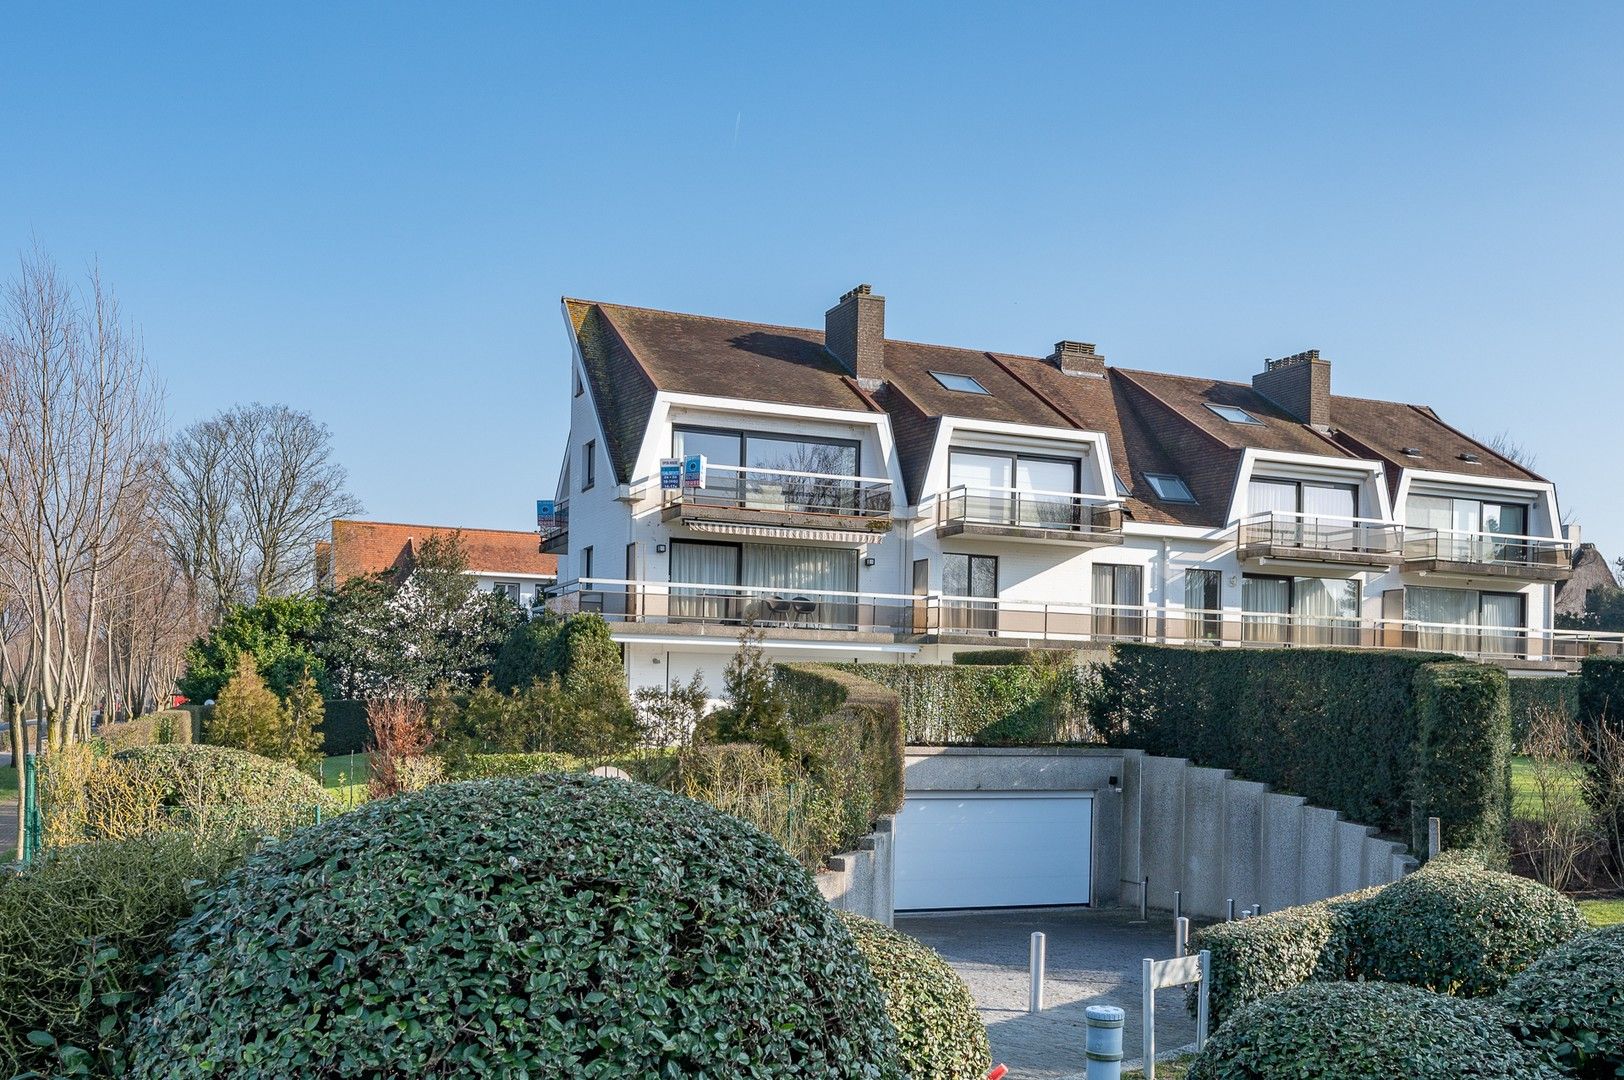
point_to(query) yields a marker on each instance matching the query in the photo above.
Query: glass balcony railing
(1281, 534)
(1537, 554)
(1063, 513)
(787, 491)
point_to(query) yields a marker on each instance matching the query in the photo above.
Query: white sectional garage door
(993, 849)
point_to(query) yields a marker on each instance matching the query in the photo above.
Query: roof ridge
(1159, 400)
(1479, 443)
(423, 525)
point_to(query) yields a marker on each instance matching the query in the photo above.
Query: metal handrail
(790, 491)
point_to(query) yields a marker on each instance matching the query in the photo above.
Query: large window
(1014, 489)
(1303, 610)
(1466, 528)
(1466, 620)
(1119, 597)
(1306, 513)
(1203, 602)
(787, 583)
(749, 468)
(973, 580)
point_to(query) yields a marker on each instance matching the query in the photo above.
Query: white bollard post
(1257, 909)
(1181, 936)
(1231, 917)
(1104, 1046)
(1034, 1003)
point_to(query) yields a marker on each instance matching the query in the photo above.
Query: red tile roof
(369, 547)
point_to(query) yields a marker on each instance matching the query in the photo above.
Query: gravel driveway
(1093, 959)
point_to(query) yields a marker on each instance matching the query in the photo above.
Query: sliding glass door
(971, 581)
(1301, 610)
(1119, 597)
(1203, 604)
(1307, 513)
(770, 464)
(1466, 620)
(782, 584)
(1013, 489)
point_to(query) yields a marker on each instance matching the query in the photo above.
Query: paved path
(1093, 959)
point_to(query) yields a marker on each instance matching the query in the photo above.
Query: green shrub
(757, 785)
(1463, 759)
(1559, 694)
(1601, 706)
(1006, 657)
(1340, 727)
(1451, 926)
(845, 733)
(502, 766)
(555, 925)
(162, 728)
(977, 705)
(1457, 928)
(939, 1032)
(206, 791)
(81, 923)
(277, 633)
(1569, 1004)
(1364, 1031)
(343, 728)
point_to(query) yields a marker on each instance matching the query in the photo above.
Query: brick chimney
(1299, 384)
(1078, 358)
(854, 331)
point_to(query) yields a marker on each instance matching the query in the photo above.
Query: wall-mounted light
(868, 560)
(659, 549)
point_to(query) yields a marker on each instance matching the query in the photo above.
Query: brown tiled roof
(1153, 422)
(370, 547)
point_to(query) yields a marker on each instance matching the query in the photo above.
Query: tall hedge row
(1559, 693)
(846, 733)
(344, 727)
(1022, 704)
(1343, 728)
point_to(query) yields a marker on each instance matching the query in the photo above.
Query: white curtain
(1265, 608)
(1501, 610)
(1327, 610)
(799, 574)
(1451, 607)
(704, 564)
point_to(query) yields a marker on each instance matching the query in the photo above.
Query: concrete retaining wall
(1199, 831)
(861, 881)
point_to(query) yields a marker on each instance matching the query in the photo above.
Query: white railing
(1486, 548)
(789, 490)
(937, 613)
(1025, 508)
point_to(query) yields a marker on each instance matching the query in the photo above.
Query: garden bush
(502, 766)
(1559, 694)
(549, 926)
(979, 705)
(845, 733)
(81, 923)
(939, 1032)
(1601, 720)
(1364, 1031)
(203, 790)
(1452, 926)
(162, 728)
(1006, 657)
(757, 785)
(1459, 929)
(1340, 727)
(1463, 757)
(1569, 1004)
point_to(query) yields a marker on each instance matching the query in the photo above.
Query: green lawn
(1171, 1070)
(1603, 912)
(1524, 790)
(345, 775)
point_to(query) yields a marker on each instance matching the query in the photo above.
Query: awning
(786, 532)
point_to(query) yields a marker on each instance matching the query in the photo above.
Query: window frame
(589, 465)
(1217, 410)
(744, 435)
(1155, 479)
(586, 562)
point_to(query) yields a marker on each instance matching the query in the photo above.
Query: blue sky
(370, 212)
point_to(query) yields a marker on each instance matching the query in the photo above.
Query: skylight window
(1122, 488)
(1169, 488)
(964, 384)
(1234, 414)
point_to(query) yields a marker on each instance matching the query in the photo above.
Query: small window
(1234, 414)
(964, 384)
(1169, 488)
(586, 561)
(509, 589)
(589, 464)
(580, 388)
(1470, 458)
(1122, 489)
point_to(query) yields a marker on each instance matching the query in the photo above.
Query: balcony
(1050, 517)
(555, 538)
(1476, 554)
(721, 611)
(1308, 538)
(780, 502)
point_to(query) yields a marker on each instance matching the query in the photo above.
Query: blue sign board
(670, 473)
(546, 513)
(693, 471)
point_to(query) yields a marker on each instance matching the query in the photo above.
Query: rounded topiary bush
(1361, 1031)
(1457, 928)
(939, 1031)
(544, 926)
(210, 789)
(1569, 1004)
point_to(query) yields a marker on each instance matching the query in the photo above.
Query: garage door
(993, 849)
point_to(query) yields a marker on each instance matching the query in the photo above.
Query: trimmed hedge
(939, 1031)
(1601, 704)
(166, 727)
(1463, 760)
(81, 924)
(344, 728)
(1361, 1031)
(1341, 727)
(1569, 1004)
(846, 735)
(1558, 693)
(755, 784)
(1006, 657)
(1452, 926)
(989, 705)
(554, 925)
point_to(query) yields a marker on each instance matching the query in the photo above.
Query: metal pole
(1257, 909)
(1231, 916)
(1435, 837)
(1104, 1046)
(1202, 1009)
(1181, 936)
(30, 839)
(1144, 900)
(1148, 1020)
(1178, 904)
(1034, 1002)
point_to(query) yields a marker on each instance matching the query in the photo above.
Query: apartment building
(863, 498)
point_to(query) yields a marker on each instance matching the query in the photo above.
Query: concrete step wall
(861, 881)
(1212, 837)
